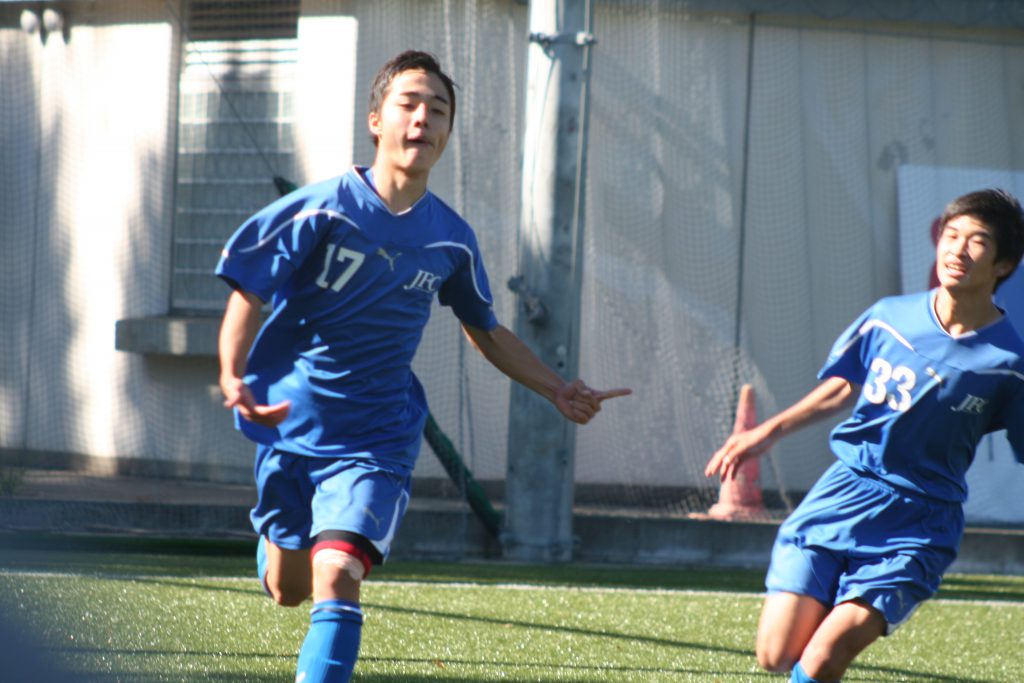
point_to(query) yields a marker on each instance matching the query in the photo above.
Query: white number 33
(877, 390)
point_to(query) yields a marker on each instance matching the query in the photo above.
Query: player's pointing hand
(579, 403)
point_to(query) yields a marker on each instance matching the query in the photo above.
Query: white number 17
(352, 261)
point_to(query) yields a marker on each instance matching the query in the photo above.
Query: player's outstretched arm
(237, 333)
(507, 352)
(831, 396)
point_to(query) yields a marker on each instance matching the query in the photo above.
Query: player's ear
(373, 123)
(1003, 268)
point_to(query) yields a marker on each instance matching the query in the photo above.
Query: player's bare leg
(289, 576)
(788, 622)
(331, 647)
(846, 631)
(336, 576)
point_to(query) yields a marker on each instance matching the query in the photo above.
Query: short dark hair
(410, 60)
(1001, 213)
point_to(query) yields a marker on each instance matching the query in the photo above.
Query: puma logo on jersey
(424, 282)
(388, 257)
(971, 404)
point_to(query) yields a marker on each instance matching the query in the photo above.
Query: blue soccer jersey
(927, 397)
(352, 285)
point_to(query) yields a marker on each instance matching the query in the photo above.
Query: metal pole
(539, 485)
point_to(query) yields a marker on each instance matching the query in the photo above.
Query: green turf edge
(234, 557)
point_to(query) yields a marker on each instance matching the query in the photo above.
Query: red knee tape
(345, 547)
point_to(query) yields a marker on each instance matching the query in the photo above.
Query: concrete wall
(89, 146)
(682, 174)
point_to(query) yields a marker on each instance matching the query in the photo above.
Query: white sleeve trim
(272, 235)
(867, 327)
(472, 265)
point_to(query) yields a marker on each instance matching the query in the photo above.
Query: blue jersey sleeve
(265, 251)
(467, 291)
(848, 357)
(1011, 418)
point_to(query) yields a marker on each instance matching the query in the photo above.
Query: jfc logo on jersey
(424, 282)
(971, 404)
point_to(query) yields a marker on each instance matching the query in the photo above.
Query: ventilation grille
(239, 20)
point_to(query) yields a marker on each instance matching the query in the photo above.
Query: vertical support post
(539, 485)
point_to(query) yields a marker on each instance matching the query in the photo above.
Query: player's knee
(826, 663)
(775, 659)
(289, 593)
(775, 664)
(337, 568)
(287, 599)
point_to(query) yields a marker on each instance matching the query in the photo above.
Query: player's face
(965, 258)
(413, 122)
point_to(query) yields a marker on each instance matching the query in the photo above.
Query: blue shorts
(301, 496)
(854, 536)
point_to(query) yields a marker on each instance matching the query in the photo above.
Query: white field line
(463, 585)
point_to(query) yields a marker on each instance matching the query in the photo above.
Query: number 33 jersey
(926, 397)
(352, 286)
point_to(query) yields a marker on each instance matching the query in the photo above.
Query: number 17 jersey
(352, 285)
(927, 397)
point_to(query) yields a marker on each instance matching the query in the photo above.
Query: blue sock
(332, 643)
(261, 563)
(798, 675)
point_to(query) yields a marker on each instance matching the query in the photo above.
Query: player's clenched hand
(737, 448)
(579, 403)
(238, 395)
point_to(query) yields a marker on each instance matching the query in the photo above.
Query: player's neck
(960, 313)
(398, 189)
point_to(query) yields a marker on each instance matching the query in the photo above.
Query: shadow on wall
(38, 245)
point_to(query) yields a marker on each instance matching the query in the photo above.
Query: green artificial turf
(121, 610)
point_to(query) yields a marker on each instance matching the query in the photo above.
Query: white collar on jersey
(365, 175)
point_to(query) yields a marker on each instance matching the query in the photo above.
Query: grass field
(131, 610)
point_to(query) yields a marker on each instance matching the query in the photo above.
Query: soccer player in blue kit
(325, 386)
(928, 375)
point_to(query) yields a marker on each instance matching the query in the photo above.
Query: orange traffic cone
(739, 497)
